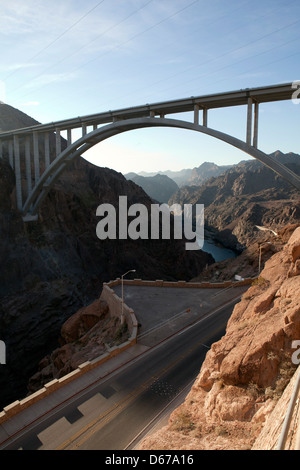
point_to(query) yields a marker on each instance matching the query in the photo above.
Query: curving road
(115, 412)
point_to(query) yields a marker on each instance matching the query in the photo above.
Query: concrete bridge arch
(53, 172)
(29, 150)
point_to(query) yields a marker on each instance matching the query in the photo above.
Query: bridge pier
(205, 113)
(18, 172)
(249, 121)
(196, 115)
(36, 156)
(255, 129)
(11, 153)
(69, 137)
(28, 164)
(84, 130)
(58, 142)
(252, 121)
(47, 149)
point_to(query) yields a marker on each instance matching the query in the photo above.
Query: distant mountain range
(188, 176)
(161, 186)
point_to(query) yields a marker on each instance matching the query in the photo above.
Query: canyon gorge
(52, 272)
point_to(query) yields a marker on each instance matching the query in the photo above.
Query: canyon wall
(246, 372)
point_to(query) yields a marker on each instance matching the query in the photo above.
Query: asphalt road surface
(114, 412)
(154, 306)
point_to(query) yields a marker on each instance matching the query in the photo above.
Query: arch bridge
(37, 168)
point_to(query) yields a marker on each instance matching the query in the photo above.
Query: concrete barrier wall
(20, 405)
(115, 306)
(182, 284)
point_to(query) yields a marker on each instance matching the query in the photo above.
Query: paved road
(174, 308)
(112, 412)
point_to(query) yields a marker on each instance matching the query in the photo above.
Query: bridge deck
(219, 100)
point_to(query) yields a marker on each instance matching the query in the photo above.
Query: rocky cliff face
(247, 195)
(251, 260)
(52, 268)
(246, 372)
(84, 336)
(206, 171)
(12, 118)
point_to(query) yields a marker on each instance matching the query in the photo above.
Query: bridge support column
(11, 153)
(47, 149)
(69, 137)
(36, 156)
(1, 149)
(18, 172)
(249, 122)
(205, 117)
(255, 130)
(58, 142)
(196, 114)
(28, 164)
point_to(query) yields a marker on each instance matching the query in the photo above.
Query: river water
(218, 251)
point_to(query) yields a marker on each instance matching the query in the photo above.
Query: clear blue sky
(62, 59)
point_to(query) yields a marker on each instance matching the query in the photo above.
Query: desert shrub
(183, 422)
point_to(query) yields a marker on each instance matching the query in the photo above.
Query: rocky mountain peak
(12, 118)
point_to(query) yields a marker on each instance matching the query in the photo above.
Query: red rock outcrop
(245, 372)
(84, 336)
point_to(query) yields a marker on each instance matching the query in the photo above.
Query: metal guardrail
(288, 418)
(297, 442)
